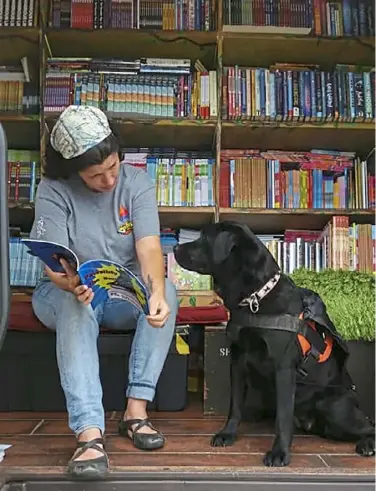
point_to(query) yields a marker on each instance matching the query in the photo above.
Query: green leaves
(349, 297)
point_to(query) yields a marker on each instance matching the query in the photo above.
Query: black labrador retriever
(287, 359)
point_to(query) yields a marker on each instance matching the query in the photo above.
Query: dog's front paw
(366, 446)
(277, 458)
(223, 439)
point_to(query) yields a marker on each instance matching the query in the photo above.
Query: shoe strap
(94, 444)
(140, 424)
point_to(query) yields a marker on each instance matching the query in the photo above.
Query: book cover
(107, 279)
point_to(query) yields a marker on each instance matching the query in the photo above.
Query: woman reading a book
(100, 208)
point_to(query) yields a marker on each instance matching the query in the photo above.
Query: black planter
(361, 366)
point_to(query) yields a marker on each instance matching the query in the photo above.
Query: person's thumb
(153, 306)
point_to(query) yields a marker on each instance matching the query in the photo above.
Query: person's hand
(82, 292)
(159, 310)
(70, 282)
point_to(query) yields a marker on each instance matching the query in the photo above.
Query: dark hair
(56, 167)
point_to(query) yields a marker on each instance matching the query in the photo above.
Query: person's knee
(73, 312)
(171, 296)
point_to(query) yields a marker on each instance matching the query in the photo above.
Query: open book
(106, 278)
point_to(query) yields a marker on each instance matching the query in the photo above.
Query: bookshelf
(217, 49)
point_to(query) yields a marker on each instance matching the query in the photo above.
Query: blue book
(106, 278)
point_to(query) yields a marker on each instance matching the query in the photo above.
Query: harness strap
(315, 348)
(284, 322)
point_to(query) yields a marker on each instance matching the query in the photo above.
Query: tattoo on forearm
(150, 283)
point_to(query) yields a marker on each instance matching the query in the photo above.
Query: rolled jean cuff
(140, 391)
(85, 427)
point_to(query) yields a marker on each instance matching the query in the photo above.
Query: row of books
(181, 178)
(17, 93)
(25, 270)
(286, 92)
(151, 87)
(338, 246)
(330, 18)
(249, 178)
(317, 179)
(327, 18)
(197, 15)
(18, 13)
(23, 175)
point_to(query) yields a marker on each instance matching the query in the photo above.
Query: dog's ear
(224, 243)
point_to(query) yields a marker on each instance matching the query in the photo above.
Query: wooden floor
(42, 444)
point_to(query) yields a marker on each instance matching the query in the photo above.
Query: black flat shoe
(142, 441)
(91, 469)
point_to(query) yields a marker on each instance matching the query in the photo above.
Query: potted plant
(350, 300)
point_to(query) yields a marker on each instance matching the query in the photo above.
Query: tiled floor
(42, 444)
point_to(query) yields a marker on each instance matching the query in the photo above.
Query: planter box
(216, 371)
(29, 377)
(360, 364)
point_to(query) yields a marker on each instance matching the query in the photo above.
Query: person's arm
(50, 223)
(150, 256)
(146, 231)
(149, 253)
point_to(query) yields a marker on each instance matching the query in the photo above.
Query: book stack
(18, 13)
(301, 93)
(25, 270)
(324, 18)
(344, 18)
(340, 245)
(23, 175)
(168, 241)
(18, 95)
(319, 179)
(147, 87)
(278, 13)
(179, 15)
(187, 281)
(181, 178)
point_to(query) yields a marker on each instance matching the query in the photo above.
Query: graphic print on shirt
(41, 230)
(126, 226)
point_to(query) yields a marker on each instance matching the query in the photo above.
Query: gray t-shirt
(98, 225)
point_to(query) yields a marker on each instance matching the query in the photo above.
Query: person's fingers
(69, 270)
(53, 273)
(86, 297)
(89, 299)
(84, 294)
(80, 289)
(159, 319)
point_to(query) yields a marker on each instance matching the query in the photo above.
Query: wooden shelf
(20, 205)
(323, 125)
(21, 293)
(189, 217)
(17, 42)
(170, 216)
(266, 49)
(19, 118)
(22, 130)
(134, 43)
(262, 220)
(185, 134)
(358, 137)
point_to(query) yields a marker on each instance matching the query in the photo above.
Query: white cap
(78, 129)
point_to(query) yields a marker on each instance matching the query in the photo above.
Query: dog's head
(229, 252)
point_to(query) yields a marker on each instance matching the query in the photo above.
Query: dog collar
(253, 301)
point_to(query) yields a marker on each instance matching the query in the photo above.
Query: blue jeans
(77, 328)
